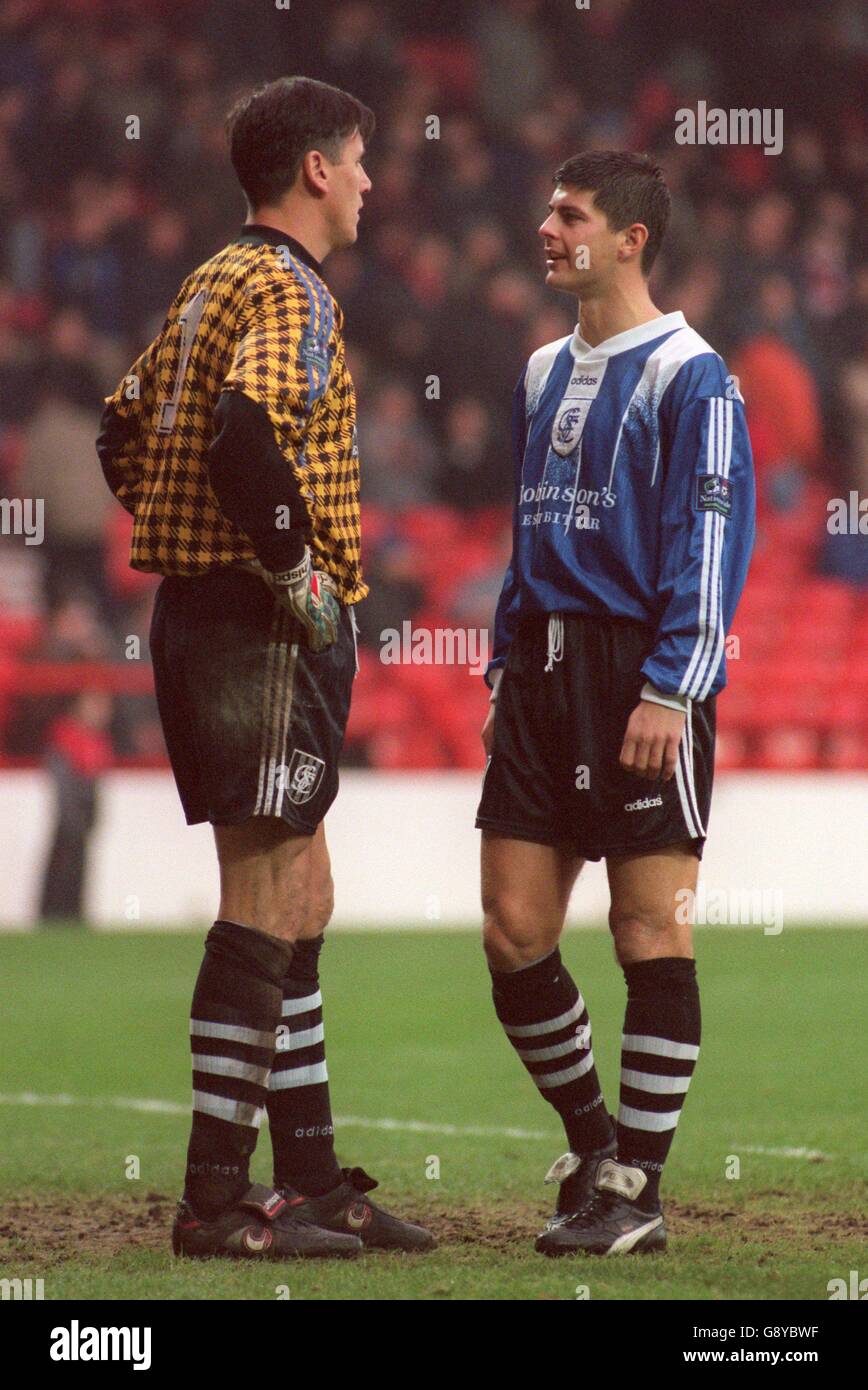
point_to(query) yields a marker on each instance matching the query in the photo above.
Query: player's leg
(659, 1049)
(651, 837)
(299, 1109)
(299, 1104)
(264, 876)
(536, 826)
(236, 1010)
(660, 1045)
(525, 891)
(223, 666)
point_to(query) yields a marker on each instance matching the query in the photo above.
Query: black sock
(658, 1053)
(235, 1011)
(299, 1108)
(545, 1019)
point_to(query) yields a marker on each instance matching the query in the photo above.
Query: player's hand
(310, 596)
(488, 726)
(488, 730)
(650, 746)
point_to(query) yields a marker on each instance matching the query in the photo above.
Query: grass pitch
(94, 1030)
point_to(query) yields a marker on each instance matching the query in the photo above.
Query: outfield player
(633, 528)
(232, 442)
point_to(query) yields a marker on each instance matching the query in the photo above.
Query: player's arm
(254, 484)
(507, 611)
(117, 441)
(707, 528)
(261, 421)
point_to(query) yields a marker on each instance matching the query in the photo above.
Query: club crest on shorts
(568, 426)
(303, 776)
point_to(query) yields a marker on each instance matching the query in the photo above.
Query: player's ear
(633, 239)
(313, 171)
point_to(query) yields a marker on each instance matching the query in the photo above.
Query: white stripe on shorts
(276, 711)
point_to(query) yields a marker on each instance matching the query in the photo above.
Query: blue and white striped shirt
(635, 495)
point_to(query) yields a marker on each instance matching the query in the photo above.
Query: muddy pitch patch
(55, 1229)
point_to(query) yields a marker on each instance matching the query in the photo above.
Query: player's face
(580, 248)
(348, 185)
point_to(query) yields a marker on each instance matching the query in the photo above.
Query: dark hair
(628, 188)
(271, 130)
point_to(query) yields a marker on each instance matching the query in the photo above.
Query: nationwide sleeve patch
(714, 494)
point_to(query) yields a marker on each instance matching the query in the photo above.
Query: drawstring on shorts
(556, 640)
(354, 625)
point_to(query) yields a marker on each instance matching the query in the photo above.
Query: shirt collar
(272, 237)
(632, 337)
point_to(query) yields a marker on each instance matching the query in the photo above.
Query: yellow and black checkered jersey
(257, 320)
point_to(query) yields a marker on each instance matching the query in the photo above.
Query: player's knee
(511, 936)
(634, 930)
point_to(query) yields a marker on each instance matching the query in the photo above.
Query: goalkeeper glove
(310, 596)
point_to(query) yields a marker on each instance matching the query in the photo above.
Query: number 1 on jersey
(189, 319)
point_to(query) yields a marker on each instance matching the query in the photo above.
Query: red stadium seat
(788, 749)
(846, 750)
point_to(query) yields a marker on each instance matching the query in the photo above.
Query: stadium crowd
(114, 183)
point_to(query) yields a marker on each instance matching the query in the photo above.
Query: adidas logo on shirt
(644, 803)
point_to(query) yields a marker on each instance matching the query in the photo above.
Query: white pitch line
(153, 1107)
(781, 1152)
(172, 1107)
(462, 1131)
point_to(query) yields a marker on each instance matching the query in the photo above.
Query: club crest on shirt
(568, 426)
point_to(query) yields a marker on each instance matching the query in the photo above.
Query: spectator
(398, 449)
(59, 467)
(79, 750)
(475, 471)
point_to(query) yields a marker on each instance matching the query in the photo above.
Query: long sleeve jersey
(233, 436)
(634, 496)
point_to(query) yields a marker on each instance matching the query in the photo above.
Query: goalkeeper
(232, 442)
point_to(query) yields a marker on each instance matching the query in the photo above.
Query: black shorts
(554, 775)
(253, 720)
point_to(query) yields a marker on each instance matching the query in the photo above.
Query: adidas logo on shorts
(644, 803)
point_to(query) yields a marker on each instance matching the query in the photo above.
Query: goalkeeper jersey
(635, 495)
(233, 436)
